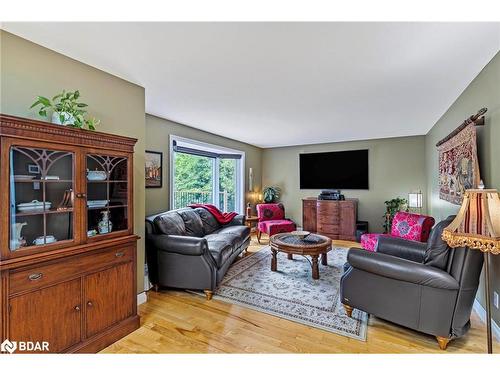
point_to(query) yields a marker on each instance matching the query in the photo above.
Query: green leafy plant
(271, 194)
(68, 108)
(392, 207)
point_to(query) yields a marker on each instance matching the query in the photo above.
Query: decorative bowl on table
(96, 175)
(301, 234)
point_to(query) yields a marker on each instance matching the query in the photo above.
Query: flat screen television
(334, 170)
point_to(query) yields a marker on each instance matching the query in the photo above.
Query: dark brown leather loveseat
(426, 287)
(189, 249)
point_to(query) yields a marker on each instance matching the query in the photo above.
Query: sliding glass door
(228, 184)
(205, 174)
(193, 179)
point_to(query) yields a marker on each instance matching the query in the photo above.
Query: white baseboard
(142, 298)
(482, 315)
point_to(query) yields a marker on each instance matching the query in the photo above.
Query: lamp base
(487, 301)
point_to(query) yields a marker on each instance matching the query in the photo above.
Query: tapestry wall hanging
(458, 165)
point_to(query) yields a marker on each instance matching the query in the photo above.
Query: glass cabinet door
(107, 194)
(41, 197)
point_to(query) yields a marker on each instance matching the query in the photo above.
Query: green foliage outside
(193, 180)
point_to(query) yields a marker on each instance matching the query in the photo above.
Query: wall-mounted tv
(334, 170)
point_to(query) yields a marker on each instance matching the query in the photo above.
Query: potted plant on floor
(271, 194)
(392, 207)
(66, 110)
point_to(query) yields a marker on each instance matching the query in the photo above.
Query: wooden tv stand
(334, 219)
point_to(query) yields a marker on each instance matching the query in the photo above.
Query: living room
(250, 189)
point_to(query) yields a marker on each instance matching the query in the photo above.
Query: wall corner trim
(142, 298)
(495, 329)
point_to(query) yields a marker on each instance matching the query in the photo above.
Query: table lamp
(415, 201)
(477, 226)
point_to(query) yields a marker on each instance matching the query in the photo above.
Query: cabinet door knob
(35, 276)
(77, 308)
(89, 304)
(119, 254)
(81, 195)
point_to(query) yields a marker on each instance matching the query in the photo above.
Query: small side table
(251, 222)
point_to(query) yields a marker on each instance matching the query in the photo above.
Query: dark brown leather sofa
(426, 287)
(189, 249)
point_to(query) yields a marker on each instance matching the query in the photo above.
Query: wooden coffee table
(313, 245)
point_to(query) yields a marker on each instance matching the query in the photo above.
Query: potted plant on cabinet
(66, 110)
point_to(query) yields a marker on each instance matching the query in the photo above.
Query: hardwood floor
(181, 322)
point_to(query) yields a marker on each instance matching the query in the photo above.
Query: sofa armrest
(237, 220)
(399, 247)
(400, 269)
(185, 245)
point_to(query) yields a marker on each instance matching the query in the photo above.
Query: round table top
(312, 241)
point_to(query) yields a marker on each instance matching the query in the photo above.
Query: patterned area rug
(291, 293)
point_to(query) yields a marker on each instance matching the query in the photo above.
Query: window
(204, 173)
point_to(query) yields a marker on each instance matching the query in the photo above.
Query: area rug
(291, 293)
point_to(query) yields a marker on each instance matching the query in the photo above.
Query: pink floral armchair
(272, 220)
(405, 225)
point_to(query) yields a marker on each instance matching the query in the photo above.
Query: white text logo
(24, 346)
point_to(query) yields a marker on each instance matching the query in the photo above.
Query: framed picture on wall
(154, 166)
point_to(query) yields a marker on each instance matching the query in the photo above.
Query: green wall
(158, 131)
(484, 91)
(28, 69)
(396, 167)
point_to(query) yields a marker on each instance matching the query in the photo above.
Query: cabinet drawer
(347, 204)
(328, 228)
(333, 210)
(328, 206)
(328, 219)
(51, 273)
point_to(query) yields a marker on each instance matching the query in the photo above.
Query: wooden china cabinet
(67, 243)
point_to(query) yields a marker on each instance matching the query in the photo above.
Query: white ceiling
(278, 84)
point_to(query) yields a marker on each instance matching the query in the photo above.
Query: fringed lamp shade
(477, 224)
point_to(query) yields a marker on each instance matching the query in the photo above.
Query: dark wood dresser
(67, 243)
(334, 219)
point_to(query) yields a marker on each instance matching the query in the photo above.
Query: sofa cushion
(369, 241)
(437, 252)
(170, 223)
(210, 224)
(270, 211)
(412, 226)
(220, 248)
(231, 239)
(192, 222)
(276, 226)
(240, 231)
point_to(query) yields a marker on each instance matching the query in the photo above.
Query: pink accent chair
(272, 220)
(405, 225)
